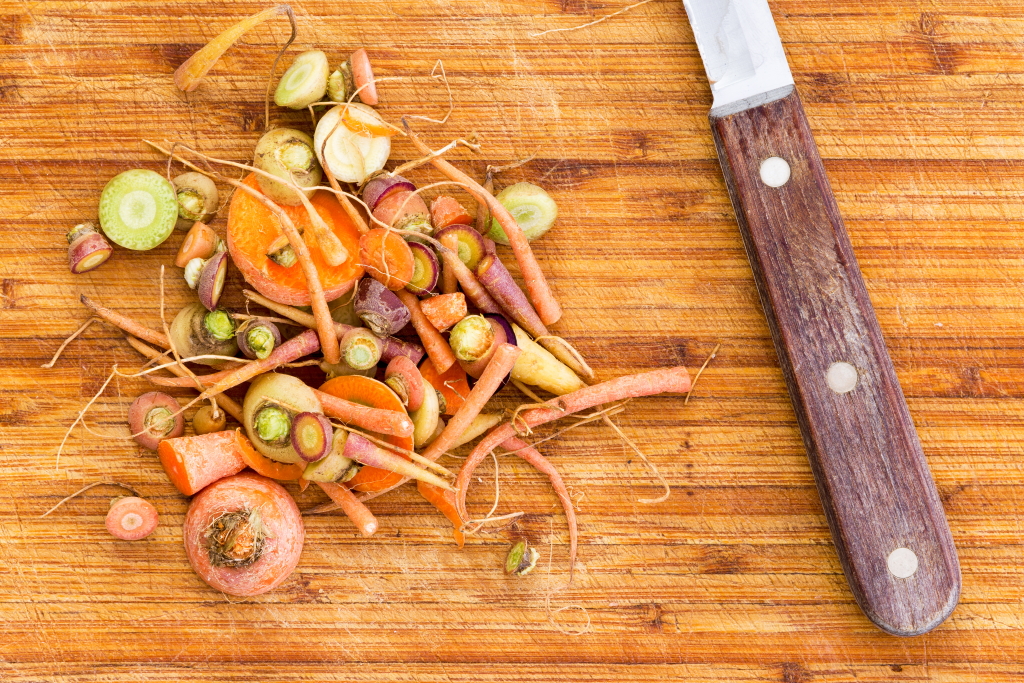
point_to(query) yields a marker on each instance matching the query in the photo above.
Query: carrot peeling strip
(127, 324)
(490, 381)
(536, 284)
(293, 349)
(373, 419)
(437, 348)
(351, 506)
(666, 380)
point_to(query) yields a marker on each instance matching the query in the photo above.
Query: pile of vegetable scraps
(402, 301)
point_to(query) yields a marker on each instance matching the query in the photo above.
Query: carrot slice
(445, 211)
(271, 469)
(192, 462)
(251, 229)
(374, 394)
(452, 384)
(387, 257)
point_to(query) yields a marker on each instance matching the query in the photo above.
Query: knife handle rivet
(775, 171)
(902, 563)
(841, 377)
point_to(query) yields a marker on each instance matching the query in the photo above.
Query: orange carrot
(475, 291)
(452, 384)
(490, 381)
(131, 518)
(243, 534)
(664, 380)
(445, 211)
(449, 280)
(271, 469)
(444, 501)
(350, 505)
(374, 419)
(437, 348)
(127, 324)
(200, 242)
(388, 258)
(193, 462)
(444, 310)
(296, 347)
(536, 284)
(373, 394)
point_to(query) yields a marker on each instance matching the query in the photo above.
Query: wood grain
(916, 110)
(878, 495)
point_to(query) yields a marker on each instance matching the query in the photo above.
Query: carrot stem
(127, 324)
(437, 348)
(490, 381)
(351, 506)
(664, 380)
(536, 284)
(373, 419)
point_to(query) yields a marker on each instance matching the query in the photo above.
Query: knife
(880, 501)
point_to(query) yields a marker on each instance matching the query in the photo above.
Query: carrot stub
(193, 462)
(445, 211)
(444, 310)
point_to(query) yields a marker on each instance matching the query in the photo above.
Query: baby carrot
(350, 505)
(293, 349)
(127, 324)
(373, 419)
(437, 348)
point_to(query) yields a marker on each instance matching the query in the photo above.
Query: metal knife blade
(878, 495)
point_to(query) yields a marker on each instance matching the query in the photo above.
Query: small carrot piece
(444, 501)
(387, 257)
(444, 310)
(293, 349)
(131, 518)
(225, 402)
(374, 419)
(351, 506)
(664, 380)
(392, 345)
(200, 242)
(536, 284)
(271, 469)
(193, 462)
(475, 291)
(452, 384)
(437, 348)
(362, 76)
(127, 324)
(445, 211)
(490, 381)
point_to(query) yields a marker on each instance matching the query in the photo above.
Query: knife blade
(882, 507)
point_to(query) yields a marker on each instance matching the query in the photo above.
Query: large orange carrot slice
(373, 394)
(251, 229)
(192, 462)
(387, 257)
(452, 384)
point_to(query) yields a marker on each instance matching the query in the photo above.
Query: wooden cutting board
(917, 110)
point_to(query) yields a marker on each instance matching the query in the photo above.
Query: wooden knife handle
(872, 476)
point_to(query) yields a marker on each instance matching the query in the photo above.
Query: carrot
(437, 348)
(243, 534)
(536, 284)
(200, 242)
(131, 518)
(378, 420)
(293, 349)
(362, 76)
(350, 505)
(444, 501)
(664, 380)
(392, 346)
(490, 381)
(225, 402)
(452, 384)
(193, 462)
(388, 258)
(475, 292)
(445, 211)
(444, 310)
(127, 324)
(449, 280)
(544, 466)
(373, 394)
(272, 469)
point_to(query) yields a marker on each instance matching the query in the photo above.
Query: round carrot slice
(252, 227)
(452, 384)
(387, 257)
(369, 392)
